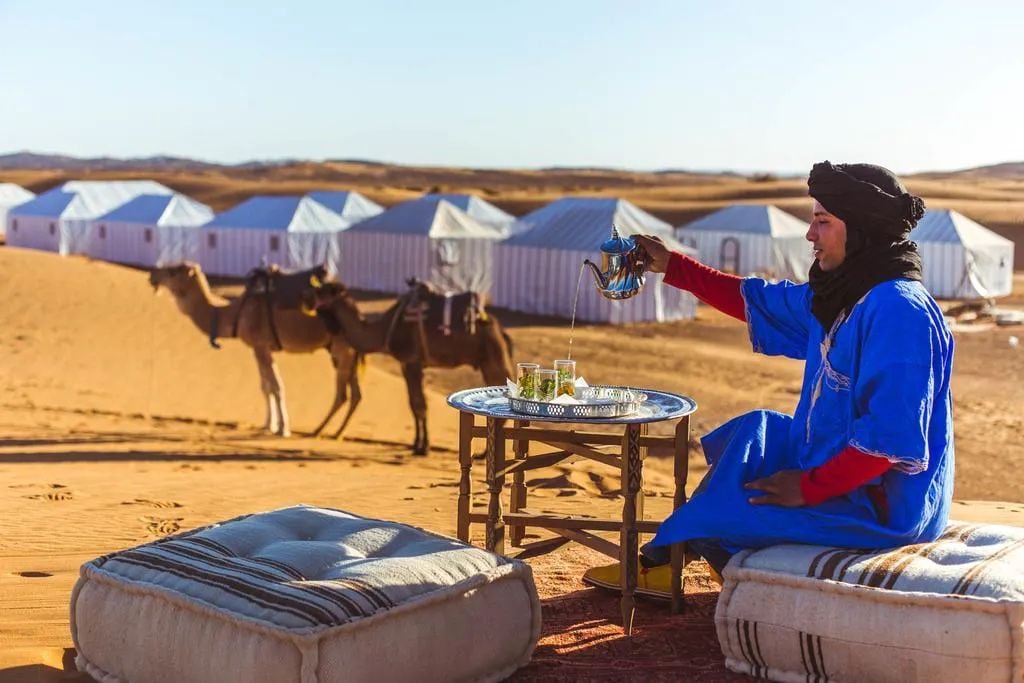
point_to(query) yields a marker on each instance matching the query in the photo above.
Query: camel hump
(284, 290)
(447, 312)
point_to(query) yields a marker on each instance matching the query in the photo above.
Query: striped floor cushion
(952, 610)
(304, 594)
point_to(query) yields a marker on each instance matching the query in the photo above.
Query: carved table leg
(520, 448)
(466, 423)
(681, 471)
(632, 475)
(495, 525)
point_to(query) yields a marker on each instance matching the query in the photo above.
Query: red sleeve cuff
(848, 470)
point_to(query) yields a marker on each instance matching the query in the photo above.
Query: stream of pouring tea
(576, 300)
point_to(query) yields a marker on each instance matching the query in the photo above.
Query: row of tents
(530, 264)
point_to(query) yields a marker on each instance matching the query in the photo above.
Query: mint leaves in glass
(566, 372)
(547, 383)
(526, 379)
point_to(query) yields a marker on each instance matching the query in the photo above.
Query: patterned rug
(582, 638)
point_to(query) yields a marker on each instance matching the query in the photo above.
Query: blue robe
(879, 381)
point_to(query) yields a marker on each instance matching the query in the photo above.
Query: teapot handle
(640, 260)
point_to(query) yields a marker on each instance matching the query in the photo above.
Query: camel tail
(360, 365)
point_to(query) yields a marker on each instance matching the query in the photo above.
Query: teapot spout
(600, 279)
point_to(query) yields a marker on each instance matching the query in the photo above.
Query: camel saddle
(278, 289)
(446, 312)
(283, 289)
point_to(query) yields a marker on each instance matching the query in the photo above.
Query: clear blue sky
(646, 85)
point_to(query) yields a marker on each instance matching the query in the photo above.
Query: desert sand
(120, 424)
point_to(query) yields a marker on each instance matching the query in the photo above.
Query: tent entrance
(729, 255)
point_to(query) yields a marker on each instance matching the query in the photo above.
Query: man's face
(828, 235)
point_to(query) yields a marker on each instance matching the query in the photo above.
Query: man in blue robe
(866, 461)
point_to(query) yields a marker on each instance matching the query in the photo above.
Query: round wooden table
(625, 451)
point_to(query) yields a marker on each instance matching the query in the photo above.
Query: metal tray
(598, 402)
(493, 402)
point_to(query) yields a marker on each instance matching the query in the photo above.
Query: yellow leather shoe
(655, 582)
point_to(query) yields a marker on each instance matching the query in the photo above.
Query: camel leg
(413, 373)
(357, 396)
(340, 395)
(277, 392)
(263, 363)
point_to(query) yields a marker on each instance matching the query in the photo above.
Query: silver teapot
(621, 274)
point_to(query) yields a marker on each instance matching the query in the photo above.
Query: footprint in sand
(153, 503)
(52, 496)
(162, 527)
(34, 575)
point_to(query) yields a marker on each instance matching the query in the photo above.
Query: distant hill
(1008, 170)
(31, 160)
(26, 160)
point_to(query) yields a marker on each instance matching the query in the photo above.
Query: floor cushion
(948, 610)
(304, 594)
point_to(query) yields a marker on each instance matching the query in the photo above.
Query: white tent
(480, 209)
(60, 219)
(428, 238)
(351, 206)
(962, 259)
(291, 232)
(10, 196)
(150, 230)
(537, 270)
(751, 239)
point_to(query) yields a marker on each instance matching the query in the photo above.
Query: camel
(216, 317)
(415, 344)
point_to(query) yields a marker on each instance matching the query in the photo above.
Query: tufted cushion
(304, 594)
(948, 610)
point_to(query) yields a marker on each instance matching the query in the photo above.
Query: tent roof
(759, 219)
(161, 210)
(949, 226)
(85, 199)
(480, 209)
(12, 195)
(351, 206)
(583, 223)
(286, 214)
(429, 216)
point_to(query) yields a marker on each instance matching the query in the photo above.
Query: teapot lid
(616, 244)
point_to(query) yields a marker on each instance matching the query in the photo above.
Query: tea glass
(547, 383)
(566, 370)
(526, 379)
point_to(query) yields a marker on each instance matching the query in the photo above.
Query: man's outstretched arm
(713, 287)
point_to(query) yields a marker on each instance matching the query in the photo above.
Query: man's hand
(782, 488)
(657, 253)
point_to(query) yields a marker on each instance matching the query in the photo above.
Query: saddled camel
(415, 343)
(215, 316)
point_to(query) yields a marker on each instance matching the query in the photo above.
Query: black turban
(879, 214)
(868, 197)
